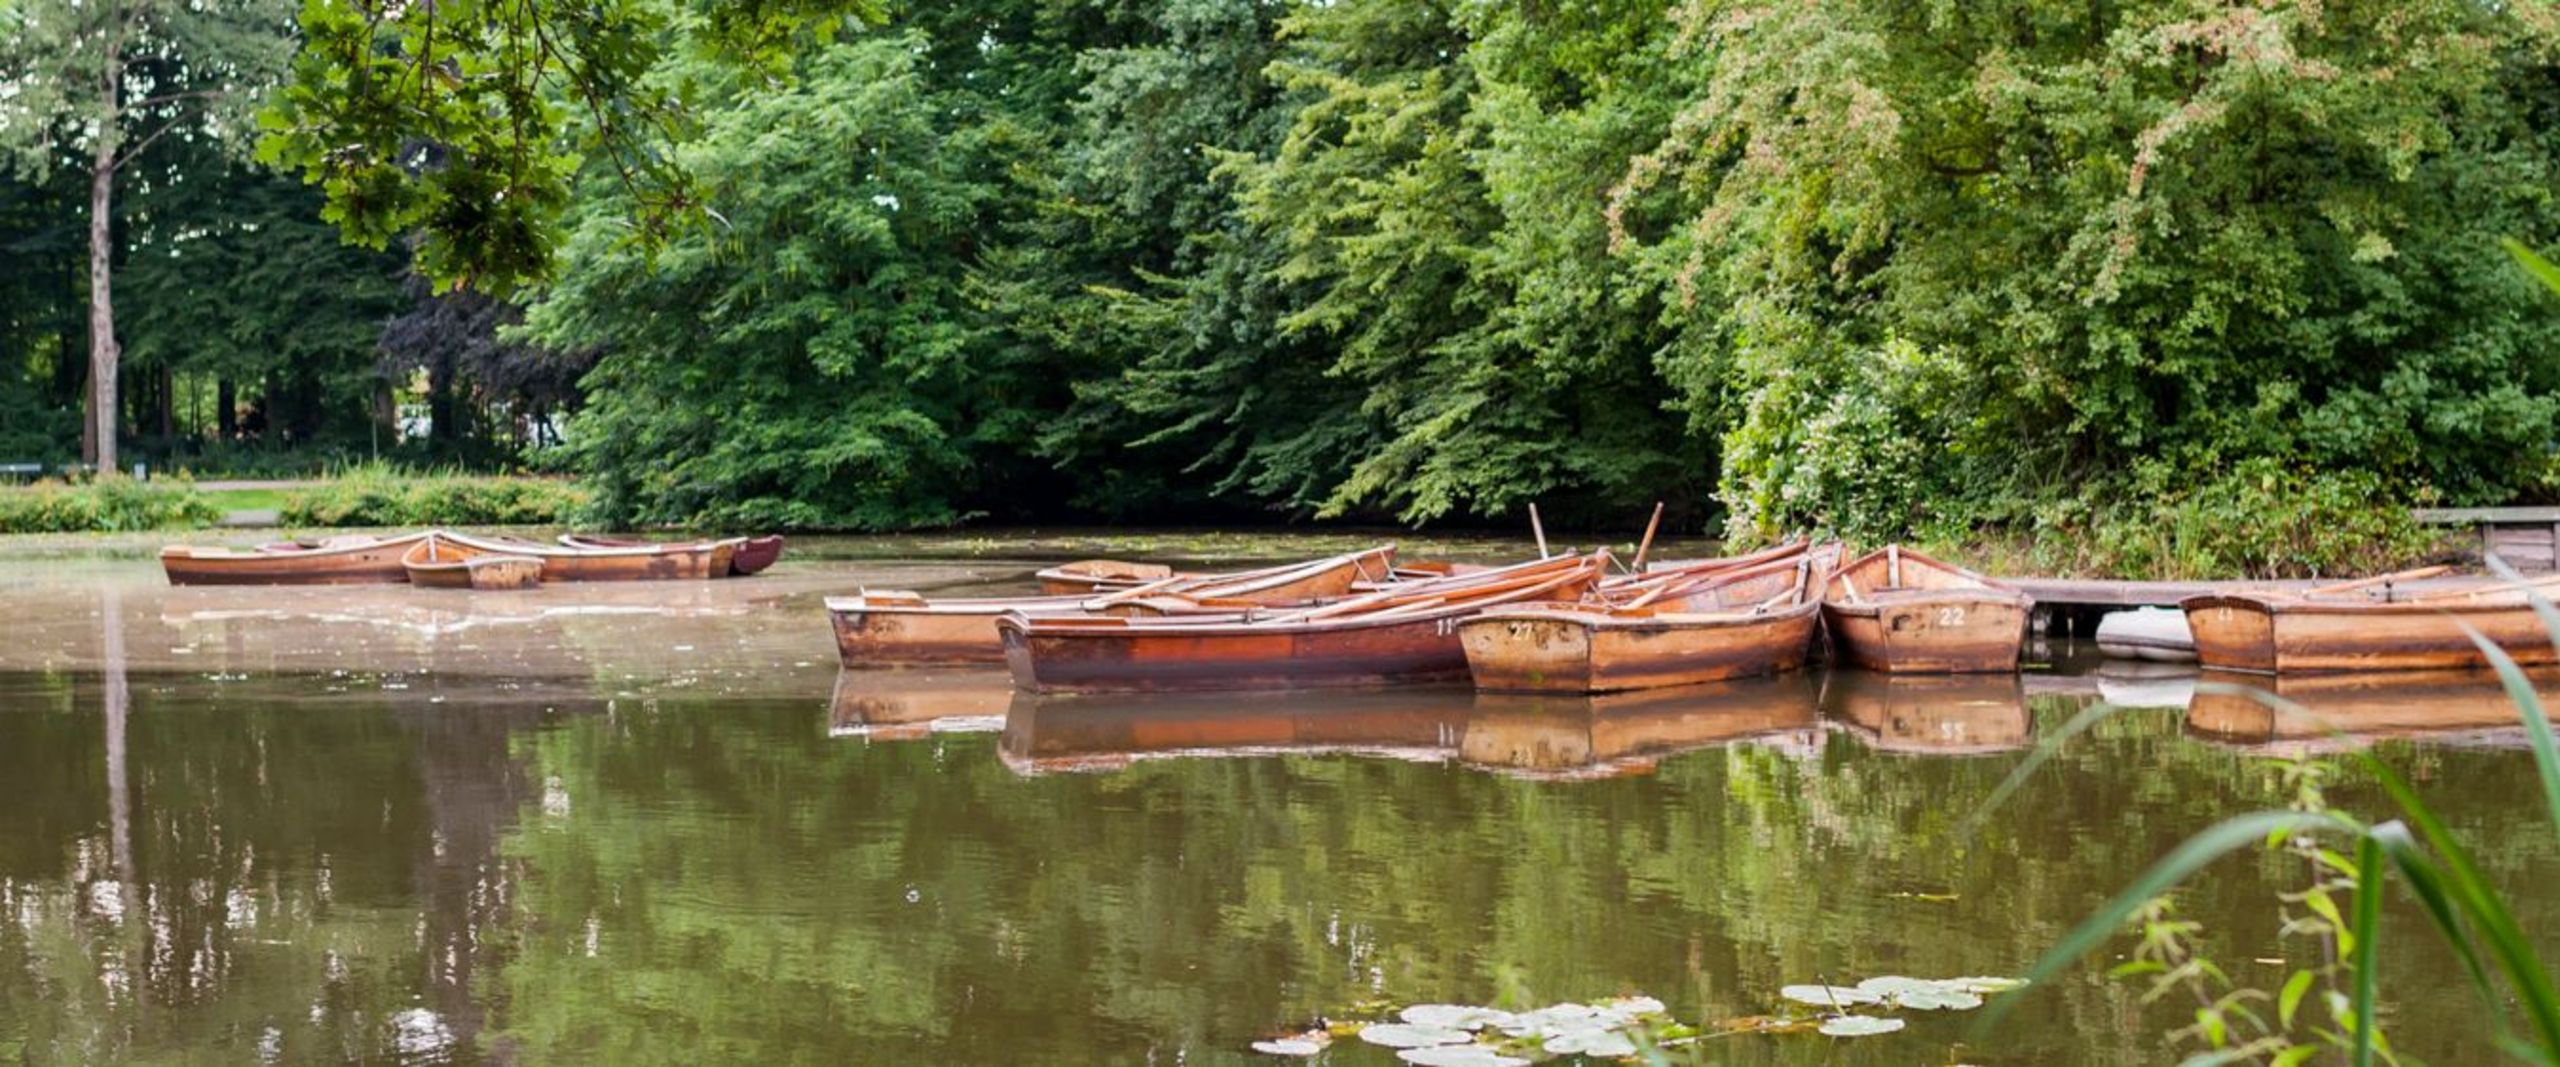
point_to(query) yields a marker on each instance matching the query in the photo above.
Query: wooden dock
(2071, 606)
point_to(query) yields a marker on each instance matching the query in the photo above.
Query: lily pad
(1458, 1056)
(1401, 1035)
(1591, 1043)
(1825, 996)
(1982, 985)
(1938, 999)
(1557, 1019)
(1859, 1026)
(1638, 1006)
(1455, 1016)
(1289, 1046)
(1894, 985)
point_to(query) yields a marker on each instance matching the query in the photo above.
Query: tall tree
(100, 83)
(467, 123)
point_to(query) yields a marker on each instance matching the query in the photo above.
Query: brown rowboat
(347, 560)
(1901, 612)
(753, 554)
(1692, 627)
(561, 563)
(902, 629)
(1406, 634)
(434, 564)
(2274, 633)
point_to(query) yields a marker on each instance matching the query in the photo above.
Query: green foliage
(379, 495)
(105, 505)
(468, 121)
(841, 395)
(2183, 232)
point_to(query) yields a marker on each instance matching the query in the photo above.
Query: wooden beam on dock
(2113, 593)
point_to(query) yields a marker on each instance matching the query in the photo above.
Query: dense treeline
(2124, 276)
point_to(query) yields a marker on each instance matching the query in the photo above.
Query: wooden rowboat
(436, 565)
(752, 554)
(1901, 612)
(347, 560)
(2335, 630)
(1097, 576)
(561, 563)
(1718, 625)
(1407, 634)
(1086, 577)
(902, 629)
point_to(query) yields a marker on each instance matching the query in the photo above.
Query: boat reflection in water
(1556, 735)
(2343, 711)
(900, 705)
(1948, 715)
(1049, 734)
(1541, 736)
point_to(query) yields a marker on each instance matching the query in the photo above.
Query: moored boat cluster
(1566, 623)
(458, 560)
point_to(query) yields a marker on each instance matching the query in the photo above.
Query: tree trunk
(103, 353)
(226, 404)
(165, 404)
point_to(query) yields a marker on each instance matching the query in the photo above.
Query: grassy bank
(107, 505)
(381, 496)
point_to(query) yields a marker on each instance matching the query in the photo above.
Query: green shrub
(110, 504)
(2258, 519)
(377, 495)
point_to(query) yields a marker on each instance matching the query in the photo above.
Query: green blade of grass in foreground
(2220, 840)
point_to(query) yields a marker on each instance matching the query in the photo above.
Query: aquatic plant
(2468, 913)
(1457, 1035)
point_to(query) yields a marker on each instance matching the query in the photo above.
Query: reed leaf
(2365, 927)
(2217, 841)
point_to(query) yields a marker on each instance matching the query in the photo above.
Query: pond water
(652, 824)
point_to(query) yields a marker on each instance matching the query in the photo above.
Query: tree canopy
(1882, 269)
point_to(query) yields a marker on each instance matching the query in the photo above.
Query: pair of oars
(1539, 529)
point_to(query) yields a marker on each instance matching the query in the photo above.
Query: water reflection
(2336, 712)
(281, 867)
(1947, 715)
(904, 705)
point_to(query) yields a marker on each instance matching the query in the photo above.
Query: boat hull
(910, 632)
(1567, 651)
(619, 564)
(2274, 635)
(1138, 659)
(904, 630)
(1932, 633)
(371, 563)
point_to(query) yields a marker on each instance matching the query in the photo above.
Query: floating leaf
(1400, 1035)
(1289, 1046)
(1826, 996)
(1859, 1026)
(1458, 1056)
(1455, 1016)
(1591, 1043)
(1558, 1019)
(1894, 985)
(1983, 986)
(1638, 1006)
(1938, 999)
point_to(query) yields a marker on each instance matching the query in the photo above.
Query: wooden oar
(1647, 544)
(2396, 576)
(1539, 529)
(2536, 585)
